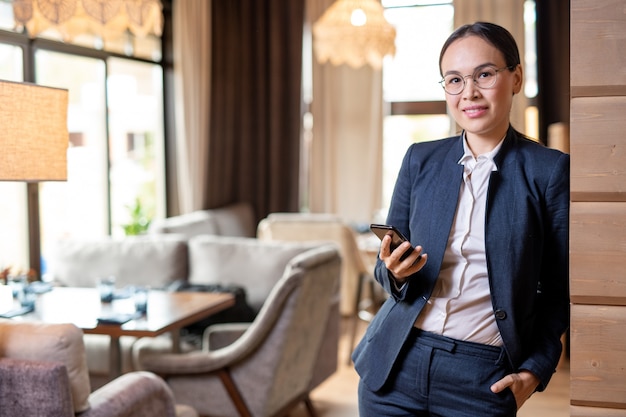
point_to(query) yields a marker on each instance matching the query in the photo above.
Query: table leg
(175, 335)
(115, 358)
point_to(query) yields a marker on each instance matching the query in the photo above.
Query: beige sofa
(156, 259)
(159, 259)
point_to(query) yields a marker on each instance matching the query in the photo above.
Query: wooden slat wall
(598, 253)
(599, 151)
(599, 355)
(598, 209)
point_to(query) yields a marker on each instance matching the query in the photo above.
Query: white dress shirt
(460, 306)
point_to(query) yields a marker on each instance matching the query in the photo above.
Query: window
(116, 143)
(78, 207)
(415, 100)
(137, 174)
(413, 73)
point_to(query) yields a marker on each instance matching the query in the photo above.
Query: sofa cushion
(189, 224)
(224, 260)
(230, 220)
(235, 220)
(135, 260)
(56, 343)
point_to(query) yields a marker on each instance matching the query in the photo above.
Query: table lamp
(33, 134)
(33, 143)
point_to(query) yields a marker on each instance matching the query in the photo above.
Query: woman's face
(483, 113)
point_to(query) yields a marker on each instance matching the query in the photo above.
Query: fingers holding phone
(404, 261)
(399, 256)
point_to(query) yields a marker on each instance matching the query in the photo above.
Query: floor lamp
(33, 143)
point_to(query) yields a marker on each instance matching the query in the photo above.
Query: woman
(473, 326)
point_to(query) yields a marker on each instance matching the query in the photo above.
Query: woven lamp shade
(109, 19)
(34, 136)
(354, 32)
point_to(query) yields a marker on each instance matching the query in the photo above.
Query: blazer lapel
(501, 207)
(444, 205)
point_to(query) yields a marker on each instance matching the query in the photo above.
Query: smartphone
(397, 237)
(381, 230)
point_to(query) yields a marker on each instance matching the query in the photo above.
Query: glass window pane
(399, 132)
(6, 16)
(11, 58)
(135, 98)
(78, 207)
(13, 208)
(530, 49)
(413, 74)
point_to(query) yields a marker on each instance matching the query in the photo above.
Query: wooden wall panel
(598, 148)
(598, 253)
(598, 209)
(597, 38)
(598, 363)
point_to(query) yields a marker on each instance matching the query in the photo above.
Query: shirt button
(500, 314)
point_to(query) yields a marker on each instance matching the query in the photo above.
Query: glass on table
(27, 297)
(17, 284)
(106, 288)
(140, 298)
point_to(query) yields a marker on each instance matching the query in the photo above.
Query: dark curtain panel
(553, 72)
(254, 146)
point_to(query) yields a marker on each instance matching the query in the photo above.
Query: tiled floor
(337, 396)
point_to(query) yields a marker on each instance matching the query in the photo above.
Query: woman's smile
(475, 111)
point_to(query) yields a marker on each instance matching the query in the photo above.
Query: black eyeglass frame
(473, 75)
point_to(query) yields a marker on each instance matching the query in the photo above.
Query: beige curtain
(192, 81)
(509, 14)
(345, 152)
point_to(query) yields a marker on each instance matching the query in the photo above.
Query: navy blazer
(526, 241)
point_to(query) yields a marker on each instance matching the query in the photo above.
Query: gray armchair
(356, 276)
(270, 366)
(43, 372)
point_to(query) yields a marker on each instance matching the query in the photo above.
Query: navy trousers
(441, 377)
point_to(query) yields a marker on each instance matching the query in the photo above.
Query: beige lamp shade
(33, 132)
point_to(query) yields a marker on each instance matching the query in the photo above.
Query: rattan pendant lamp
(354, 32)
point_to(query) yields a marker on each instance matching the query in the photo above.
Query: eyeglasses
(483, 77)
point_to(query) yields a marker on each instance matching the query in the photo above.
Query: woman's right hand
(401, 269)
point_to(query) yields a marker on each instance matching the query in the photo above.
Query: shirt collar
(469, 156)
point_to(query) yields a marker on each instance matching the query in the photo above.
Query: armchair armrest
(221, 335)
(34, 388)
(132, 394)
(205, 361)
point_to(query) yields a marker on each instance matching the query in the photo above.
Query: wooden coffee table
(167, 312)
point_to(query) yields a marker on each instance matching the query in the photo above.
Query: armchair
(43, 372)
(325, 227)
(270, 367)
(320, 227)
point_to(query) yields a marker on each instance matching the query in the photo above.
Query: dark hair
(496, 35)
